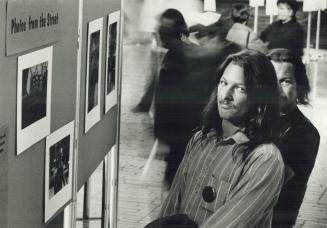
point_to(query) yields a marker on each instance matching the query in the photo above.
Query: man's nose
(280, 89)
(227, 93)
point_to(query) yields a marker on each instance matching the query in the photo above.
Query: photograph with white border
(34, 81)
(112, 59)
(93, 73)
(58, 170)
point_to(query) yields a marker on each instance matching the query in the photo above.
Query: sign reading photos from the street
(58, 170)
(112, 59)
(34, 79)
(31, 24)
(93, 73)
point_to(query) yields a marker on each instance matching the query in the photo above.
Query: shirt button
(209, 194)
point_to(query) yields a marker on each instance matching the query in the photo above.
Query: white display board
(210, 5)
(271, 7)
(255, 3)
(314, 5)
(324, 5)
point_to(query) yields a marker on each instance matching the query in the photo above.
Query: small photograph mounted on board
(58, 170)
(34, 79)
(112, 60)
(93, 73)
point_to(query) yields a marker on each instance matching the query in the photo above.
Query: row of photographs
(34, 83)
(93, 75)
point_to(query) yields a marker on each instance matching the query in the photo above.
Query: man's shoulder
(267, 151)
(299, 124)
(202, 138)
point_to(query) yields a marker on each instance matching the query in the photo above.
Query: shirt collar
(238, 137)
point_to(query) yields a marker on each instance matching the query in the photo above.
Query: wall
(94, 145)
(22, 177)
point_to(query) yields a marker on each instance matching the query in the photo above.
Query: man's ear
(183, 37)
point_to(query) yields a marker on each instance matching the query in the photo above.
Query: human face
(285, 12)
(287, 85)
(232, 97)
(166, 31)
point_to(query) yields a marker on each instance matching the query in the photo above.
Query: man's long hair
(262, 119)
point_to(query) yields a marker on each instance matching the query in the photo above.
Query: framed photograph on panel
(34, 79)
(93, 73)
(58, 170)
(112, 59)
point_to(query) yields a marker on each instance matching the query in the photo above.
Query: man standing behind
(298, 137)
(232, 172)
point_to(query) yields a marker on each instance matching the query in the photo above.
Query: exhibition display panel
(60, 83)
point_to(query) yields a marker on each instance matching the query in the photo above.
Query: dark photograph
(111, 74)
(34, 93)
(93, 71)
(59, 166)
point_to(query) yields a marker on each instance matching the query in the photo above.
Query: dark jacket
(299, 143)
(169, 122)
(290, 35)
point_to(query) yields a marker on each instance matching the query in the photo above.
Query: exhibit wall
(23, 189)
(97, 141)
(22, 174)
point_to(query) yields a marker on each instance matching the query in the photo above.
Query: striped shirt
(246, 189)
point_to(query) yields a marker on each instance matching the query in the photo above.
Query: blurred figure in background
(170, 125)
(149, 23)
(299, 139)
(241, 34)
(286, 32)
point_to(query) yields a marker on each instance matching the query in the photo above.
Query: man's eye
(241, 89)
(286, 82)
(222, 82)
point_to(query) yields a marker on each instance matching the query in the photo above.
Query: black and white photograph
(58, 169)
(163, 114)
(59, 166)
(93, 81)
(33, 97)
(112, 60)
(93, 73)
(187, 132)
